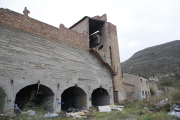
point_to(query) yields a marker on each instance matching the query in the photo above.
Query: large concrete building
(71, 67)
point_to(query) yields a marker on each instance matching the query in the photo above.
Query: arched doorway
(74, 97)
(35, 96)
(100, 97)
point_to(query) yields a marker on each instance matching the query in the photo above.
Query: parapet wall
(25, 23)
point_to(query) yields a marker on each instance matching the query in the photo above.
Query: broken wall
(133, 79)
(129, 90)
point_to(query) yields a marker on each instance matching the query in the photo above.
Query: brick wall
(129, 90)
(111, 40)
(28, 24)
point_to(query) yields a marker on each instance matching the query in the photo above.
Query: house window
(147, 82)
(143, 93)
(141, 80)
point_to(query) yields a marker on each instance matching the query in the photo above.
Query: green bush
(152, 91)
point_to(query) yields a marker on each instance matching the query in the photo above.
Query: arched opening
(74, 97)
(100, 97)
(35, 96)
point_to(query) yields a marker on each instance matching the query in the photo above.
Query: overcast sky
(140, 23)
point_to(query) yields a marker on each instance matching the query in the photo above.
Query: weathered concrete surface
(27, 58)
(32, 52)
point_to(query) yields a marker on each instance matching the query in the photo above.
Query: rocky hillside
(162, 61)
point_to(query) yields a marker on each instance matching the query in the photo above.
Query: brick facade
(129, 90)
(25, 23)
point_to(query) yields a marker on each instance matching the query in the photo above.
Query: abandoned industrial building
(69, 67)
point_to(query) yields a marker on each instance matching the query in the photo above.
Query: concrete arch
(37, 95)
(73, 86)
(107, 89)
(100, 97)
(18, 88)
(74, 97)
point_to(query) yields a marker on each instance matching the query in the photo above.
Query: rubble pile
(175, 111)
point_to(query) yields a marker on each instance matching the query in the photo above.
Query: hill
(162, 61)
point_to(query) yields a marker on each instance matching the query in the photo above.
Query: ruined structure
(141, 86)
(69, 67)
(129, 90)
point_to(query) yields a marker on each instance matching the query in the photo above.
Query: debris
(104, 108)
(82, 114)
(29, 112)
(177, 108)
(175, 112)
(62, 114)
(142, 112)
(150, 111)
(16, 107)
(77, 115)
(48, 115)
(115, 107)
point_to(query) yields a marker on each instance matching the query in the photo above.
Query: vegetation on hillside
(162, 61)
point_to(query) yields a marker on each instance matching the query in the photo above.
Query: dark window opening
(74, 97)
(34, 97)
(143, 93)
(115, 96)
(95, 32)
(146, 94)
(100, 97)
(100, 47)
(110, 52)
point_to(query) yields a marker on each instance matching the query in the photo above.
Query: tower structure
(103, 42)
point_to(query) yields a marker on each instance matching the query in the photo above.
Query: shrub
(167, 83)
(176, 95)
(152, 91)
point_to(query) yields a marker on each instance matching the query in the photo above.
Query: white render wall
(27, 58)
